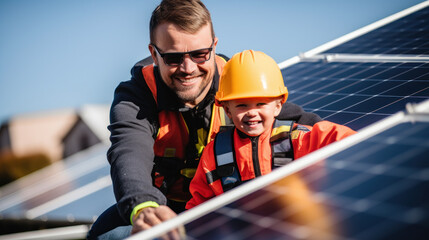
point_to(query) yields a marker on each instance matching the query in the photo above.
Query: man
(164, 116)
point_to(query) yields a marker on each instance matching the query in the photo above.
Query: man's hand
(150, 216)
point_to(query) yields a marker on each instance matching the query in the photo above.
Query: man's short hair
(188, 15)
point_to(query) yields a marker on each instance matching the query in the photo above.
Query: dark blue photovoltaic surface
(376, 189)
(408, 35)
(356, 94)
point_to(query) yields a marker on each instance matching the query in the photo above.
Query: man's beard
(185, 94)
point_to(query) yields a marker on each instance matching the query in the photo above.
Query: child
(252, 92)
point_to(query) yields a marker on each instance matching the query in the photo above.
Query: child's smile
(253, 116)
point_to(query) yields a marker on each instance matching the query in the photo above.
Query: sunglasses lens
(173, 58)
(200, 56)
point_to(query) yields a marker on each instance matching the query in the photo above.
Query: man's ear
(215, 44)
(153, 54)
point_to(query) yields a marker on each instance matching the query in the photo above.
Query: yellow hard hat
(250, 74)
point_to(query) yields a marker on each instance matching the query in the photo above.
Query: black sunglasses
(176, 58)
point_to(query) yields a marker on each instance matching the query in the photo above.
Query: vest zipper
(255, 159)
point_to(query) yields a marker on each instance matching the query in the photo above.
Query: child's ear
(278, 108)
(226, 108)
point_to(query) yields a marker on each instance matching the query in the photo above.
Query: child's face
(253, 116)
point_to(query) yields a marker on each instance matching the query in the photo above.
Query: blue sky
(57, 54)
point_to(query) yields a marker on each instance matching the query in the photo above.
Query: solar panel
(70, 190)
(408, 35)
(356, 94)
(404, 33)
(367, 75)
(372, 185)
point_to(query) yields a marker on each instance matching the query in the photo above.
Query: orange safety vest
(172, 139)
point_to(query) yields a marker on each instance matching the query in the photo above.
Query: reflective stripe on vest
(226, 170)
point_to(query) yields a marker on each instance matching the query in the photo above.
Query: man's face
(253, 116)
(191, 81)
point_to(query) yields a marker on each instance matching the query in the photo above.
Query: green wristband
(140, 207)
